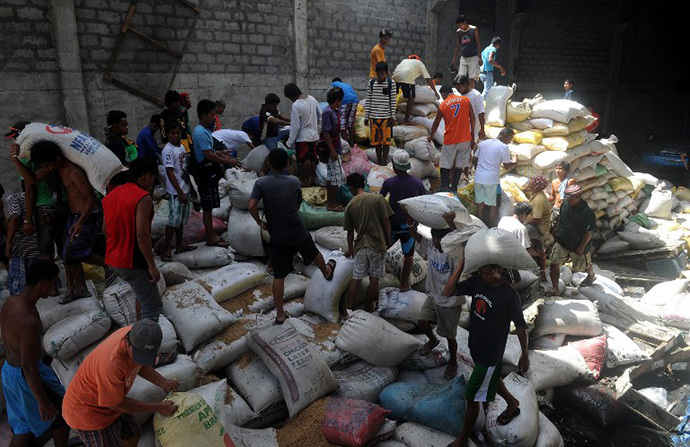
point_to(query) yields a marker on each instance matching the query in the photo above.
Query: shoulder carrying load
(429, 210)
(99, 162)
(496, 246)
(374, 340)
(304, 375)
(496, 105)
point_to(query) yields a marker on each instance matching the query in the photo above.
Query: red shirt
(119, 215)
(590, 128)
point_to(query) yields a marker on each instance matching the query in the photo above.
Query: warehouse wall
(240, 51)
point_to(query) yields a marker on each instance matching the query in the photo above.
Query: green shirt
(44, 195)
(364, 214)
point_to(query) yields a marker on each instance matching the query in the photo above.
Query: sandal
(186, 248)
(332, 263)
(424, 350)
(505, 417)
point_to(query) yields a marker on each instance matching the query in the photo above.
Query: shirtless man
(82, 222)
(33, 394)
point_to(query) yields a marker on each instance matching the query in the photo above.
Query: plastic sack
(323, 297)
(660, 204)
(232, 280)
(194, 423)
(98, 162)
(517, 113)
(400, 305)
(395, 259)
(66, 338)
(429, 210)
(528, 137)
(244, 235)
(522, 430)
(423, 169)
(561, 110)
(526, 151)
(593, 350)
(254, 161)
(496, 105)
(403, 134)
(319, 217)
(420, 148)
(351, 422)
(364, 381)
(495, 246)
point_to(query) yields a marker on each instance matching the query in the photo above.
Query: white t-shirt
(409, 70)
(305, 120)
(517, 229)
(232, 139)
(440, 266)
(176, 157)
(490, 154)
(478, 106)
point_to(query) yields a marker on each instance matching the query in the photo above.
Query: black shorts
(283, 256)
(306, 151)
(402, 233)
(208, 196)
(407, 90)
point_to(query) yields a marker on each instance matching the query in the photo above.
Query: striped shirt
(23, 246)
(380, 100)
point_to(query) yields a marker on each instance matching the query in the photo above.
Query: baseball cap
(146, 337)
(401, 160)
(16, 128)
(573, 191)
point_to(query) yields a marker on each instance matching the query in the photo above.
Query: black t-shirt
(117, 146)
(492, 310)
(169, 117)
(573, 223)
(271, 128)
(282, 196)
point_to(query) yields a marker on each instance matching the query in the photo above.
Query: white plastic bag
(496, 104)
(429, 210)
(66, 338)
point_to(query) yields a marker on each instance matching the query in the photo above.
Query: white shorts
(469, 67)
(485, 194)
(369, 263)
(456, 155)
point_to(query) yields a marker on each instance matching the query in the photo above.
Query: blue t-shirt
(350, 94)
(330, 120)
(147, 145)
(568, 95)
(203, 141)
(486, 66)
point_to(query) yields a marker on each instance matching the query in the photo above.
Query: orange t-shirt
(378, 54)
(456, 114)
(102, 382)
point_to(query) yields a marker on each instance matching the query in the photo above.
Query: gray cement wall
(240, 50)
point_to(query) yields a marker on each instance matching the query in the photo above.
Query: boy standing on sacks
(379, 112)
(494, 305)
(368, 214)
(458, 114)
(440, 309)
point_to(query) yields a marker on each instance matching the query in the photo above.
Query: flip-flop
(186, 249)
(505, 418)
(219, 243)
(448, 375)
(332, 263)
(424, 352)
(278, 323)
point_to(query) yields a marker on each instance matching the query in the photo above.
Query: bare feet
(589, 280)
(428, 347)
(510, 413)
(451, 371)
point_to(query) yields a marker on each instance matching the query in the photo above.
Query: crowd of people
(59, 212)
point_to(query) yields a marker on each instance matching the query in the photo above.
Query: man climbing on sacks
(96, 405)
(573, 235)
(494, 305)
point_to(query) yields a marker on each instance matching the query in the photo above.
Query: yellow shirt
(541, 209)
(378, 54)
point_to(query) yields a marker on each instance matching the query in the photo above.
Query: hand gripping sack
(352, 422)
(304, 375)
(374, 340)
(98, 162)
(523, 430)
(323, 297)
(496, 105)
(193, 424)
(496, 246)
(66, 338)
(429, 210)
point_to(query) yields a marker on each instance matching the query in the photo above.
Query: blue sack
(441, 407)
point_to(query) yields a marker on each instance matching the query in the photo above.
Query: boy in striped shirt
(379, 111)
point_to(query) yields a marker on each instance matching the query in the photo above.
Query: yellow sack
(579, 123)
(557, 130)
(683, 193)
(517, 114)
(620, 184)
(93, 272)
(528, 137)
(193, 424)
(492, 132)
(513, 191)
(564, 143)
(466, 196)
(687, 243)
(637, 183)
(361, 131)
(315, 195)
(599, 214)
